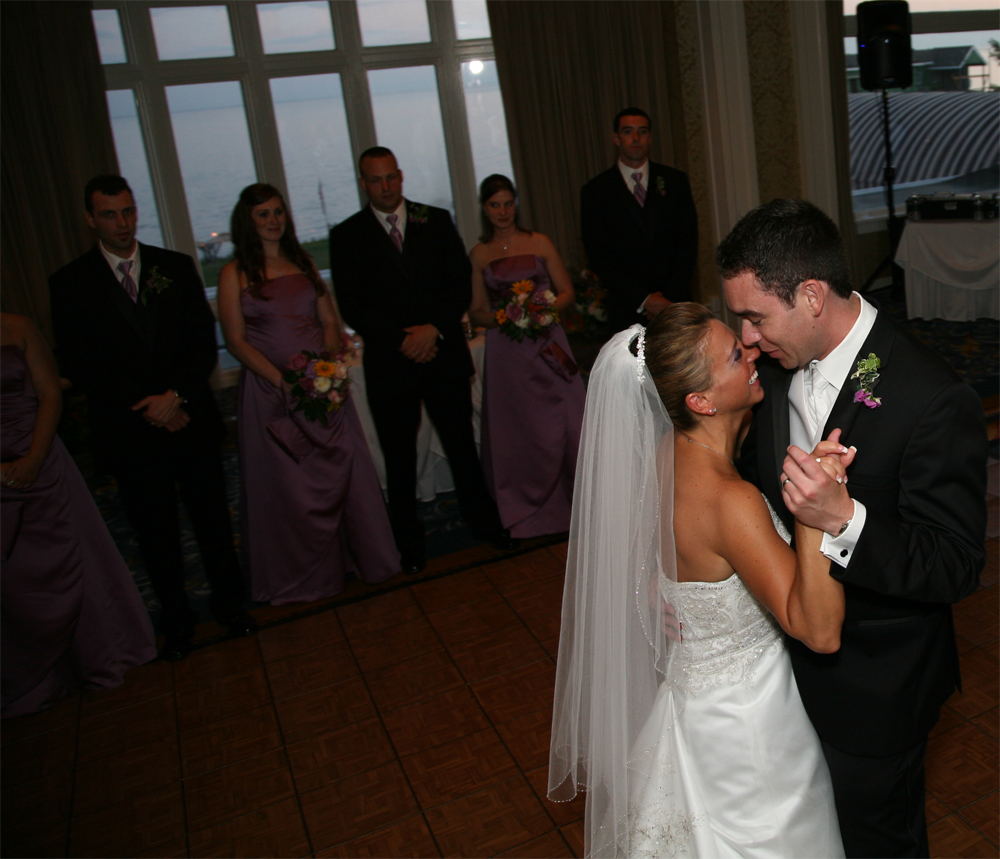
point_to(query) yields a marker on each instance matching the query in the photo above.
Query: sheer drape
(56, 136)
(566, 67)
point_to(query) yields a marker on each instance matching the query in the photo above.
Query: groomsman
(640, 228)
(135, 333)
(403, 281)
(905, 534)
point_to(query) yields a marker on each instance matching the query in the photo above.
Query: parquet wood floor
(415, 723)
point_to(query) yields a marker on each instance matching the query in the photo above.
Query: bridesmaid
(532, 392)
(69, 610)
(312, 507)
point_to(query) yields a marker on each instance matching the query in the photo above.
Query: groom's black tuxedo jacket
(119, 351)
(638, 250)
(382, 291)
(920, 471)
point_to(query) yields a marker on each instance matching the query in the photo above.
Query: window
(944, 130)
(207, 98)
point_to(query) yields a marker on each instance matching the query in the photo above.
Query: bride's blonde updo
(676, 342)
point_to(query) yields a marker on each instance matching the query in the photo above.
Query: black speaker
(884, 53)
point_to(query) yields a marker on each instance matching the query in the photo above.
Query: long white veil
(613, 647)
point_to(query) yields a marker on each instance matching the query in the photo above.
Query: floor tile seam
(419, 814)
(445, 742)
(284, 747)
(465, 737)
(245, 813)
(531, 632)
(72, 788)
(974, 827)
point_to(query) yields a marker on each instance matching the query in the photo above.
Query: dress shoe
(412, 561)
(239, 624)
(499, 540)
(176, 646)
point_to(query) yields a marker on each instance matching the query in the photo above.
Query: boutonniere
(661, 186)
(417, 214)
(867, 376)
(156, 282)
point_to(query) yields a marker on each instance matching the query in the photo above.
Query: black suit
(920, 471)
(639, 250)
(382, 291)
(118, 352)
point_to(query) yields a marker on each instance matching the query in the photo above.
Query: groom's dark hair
(782, 244)
(109, 185)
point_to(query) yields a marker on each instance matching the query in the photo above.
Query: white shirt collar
(113, 261)
(627, 172)
(838, 365)
(400, 213)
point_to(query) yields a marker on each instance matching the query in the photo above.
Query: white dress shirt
(806, 421)
(400, 223)
(114, 260)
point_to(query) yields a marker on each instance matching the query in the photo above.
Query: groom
(905, 535)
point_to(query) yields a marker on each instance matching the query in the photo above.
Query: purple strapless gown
(532, 413)
(69, 610)
(305, 523)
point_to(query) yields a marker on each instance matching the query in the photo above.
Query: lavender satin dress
(312, 507)
(69, 610)
(532, 413)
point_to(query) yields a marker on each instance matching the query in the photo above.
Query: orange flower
(325, 368)
(501, 317)
(522, 286)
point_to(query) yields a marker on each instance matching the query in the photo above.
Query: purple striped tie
(128, 282)
(394, 233)
(640, 192)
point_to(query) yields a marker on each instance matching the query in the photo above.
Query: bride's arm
(796, 586)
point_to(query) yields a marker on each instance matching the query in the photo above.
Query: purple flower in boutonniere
(417, 214)
(867, 376)
(156, 282)
(661, 186)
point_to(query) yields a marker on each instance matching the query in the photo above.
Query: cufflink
(843, 553)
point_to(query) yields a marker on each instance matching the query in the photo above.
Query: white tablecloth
(433, 472)
(951, 269)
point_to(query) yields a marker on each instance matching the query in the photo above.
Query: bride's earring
(714, 410)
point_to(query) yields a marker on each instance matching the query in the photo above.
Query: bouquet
(528, 311)
(319, 382)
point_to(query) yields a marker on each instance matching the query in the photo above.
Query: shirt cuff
(840, 549)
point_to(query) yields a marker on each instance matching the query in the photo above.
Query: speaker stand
(895, 223)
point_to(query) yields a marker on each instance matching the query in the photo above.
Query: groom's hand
(811, 495)
(161, 409)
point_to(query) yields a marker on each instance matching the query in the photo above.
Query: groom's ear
(813, 293)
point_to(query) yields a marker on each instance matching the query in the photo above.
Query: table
(433, 472)
(951, 269)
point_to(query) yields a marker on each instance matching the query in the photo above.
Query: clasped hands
(420, 343)
(164, 410)
(814, 486)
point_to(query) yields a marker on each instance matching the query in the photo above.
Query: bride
(675, 705)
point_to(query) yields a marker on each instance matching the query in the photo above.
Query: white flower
(321, 384)
(341, 371)
(545, 320)
(523, 322)
(549, 296)
(522, 298)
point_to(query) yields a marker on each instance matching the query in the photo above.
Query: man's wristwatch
(843, 527)
(178, 396)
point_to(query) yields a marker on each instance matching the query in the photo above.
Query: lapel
(781, 434)
(147, 312)
(109, 290)
(845, 411)
(384, 244)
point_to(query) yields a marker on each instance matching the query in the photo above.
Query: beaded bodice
(725, 631)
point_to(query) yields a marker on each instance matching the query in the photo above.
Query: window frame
(149, 77)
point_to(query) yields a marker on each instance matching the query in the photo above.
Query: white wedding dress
(728, 764)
